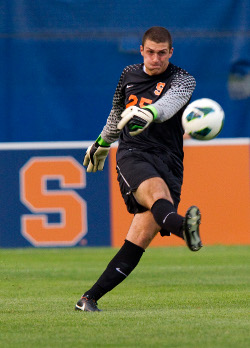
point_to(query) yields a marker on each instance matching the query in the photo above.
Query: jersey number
(134, 100)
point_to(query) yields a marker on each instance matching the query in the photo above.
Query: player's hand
(95, 157)
(136, 119)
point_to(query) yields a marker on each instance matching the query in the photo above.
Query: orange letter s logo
(34, 176)
(159, 88)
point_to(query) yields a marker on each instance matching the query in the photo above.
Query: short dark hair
(157, 34)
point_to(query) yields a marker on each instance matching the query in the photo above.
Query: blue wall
(60, 60)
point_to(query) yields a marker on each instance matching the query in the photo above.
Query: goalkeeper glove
(95, 155)
(136, 119)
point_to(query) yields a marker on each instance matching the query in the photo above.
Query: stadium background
(60, 63)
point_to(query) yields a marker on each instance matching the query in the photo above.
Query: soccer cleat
(191, 225)
(87, 304)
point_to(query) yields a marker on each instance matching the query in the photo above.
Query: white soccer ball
(203, 119)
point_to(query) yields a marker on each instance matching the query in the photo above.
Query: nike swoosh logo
(128, 86)
(166, 217)
(119, 270)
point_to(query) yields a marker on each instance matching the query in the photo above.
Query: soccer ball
(203, 119)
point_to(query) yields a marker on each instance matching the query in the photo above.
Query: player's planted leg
(117, 270)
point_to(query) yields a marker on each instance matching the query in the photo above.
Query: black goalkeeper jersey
(169, 93)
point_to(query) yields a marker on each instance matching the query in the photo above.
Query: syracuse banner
(48, 200)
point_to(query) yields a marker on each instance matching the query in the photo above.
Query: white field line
(84, 144)
(217, 142)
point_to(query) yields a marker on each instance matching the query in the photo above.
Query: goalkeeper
(146, 117)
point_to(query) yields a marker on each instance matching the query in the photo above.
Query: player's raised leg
(155, 195)
(191, 225)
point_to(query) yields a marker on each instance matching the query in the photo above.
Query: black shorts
(136, 167)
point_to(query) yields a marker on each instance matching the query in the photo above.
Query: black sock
(165, 214)
(117, 270)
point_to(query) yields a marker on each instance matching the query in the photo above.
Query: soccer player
(146, 117)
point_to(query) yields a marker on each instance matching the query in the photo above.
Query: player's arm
(97, 153)
(137, 119)
(177, 96)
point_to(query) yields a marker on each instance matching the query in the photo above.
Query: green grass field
(174, 298)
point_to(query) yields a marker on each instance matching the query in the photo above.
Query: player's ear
(171, 52)
(142, 50)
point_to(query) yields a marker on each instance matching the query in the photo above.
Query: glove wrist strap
(102, 142)
(152, 109)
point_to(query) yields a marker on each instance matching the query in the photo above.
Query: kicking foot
(191, 225)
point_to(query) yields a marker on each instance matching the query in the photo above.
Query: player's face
(156, 56)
